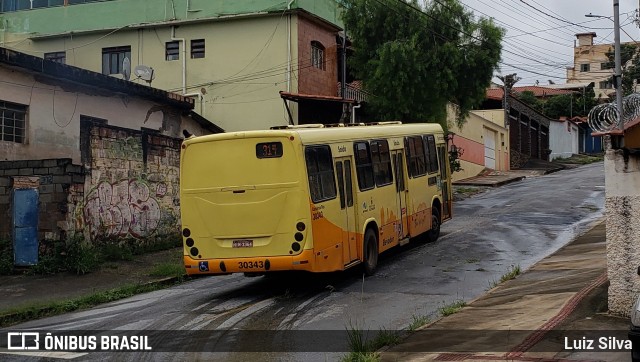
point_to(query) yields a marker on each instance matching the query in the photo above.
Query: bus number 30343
(250, 264)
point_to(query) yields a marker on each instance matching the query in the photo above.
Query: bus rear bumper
(302, 261)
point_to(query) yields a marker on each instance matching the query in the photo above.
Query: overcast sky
(540, 34)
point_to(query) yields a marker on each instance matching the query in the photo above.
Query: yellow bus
(314, 197)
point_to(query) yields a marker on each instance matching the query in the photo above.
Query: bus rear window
(269, 150)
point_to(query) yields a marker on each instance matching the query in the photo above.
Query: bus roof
(314, 135)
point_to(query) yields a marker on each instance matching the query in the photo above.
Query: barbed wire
(605, 117)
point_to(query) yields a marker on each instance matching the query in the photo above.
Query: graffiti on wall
(122, 208)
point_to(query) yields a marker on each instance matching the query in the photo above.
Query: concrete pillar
(622, 212)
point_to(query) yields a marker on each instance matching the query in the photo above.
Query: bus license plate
(243, 243)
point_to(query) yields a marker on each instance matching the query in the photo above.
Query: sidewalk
(21, 290)
(498, 178)
(525, 319)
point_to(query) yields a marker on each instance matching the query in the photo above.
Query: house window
(317, 55)
(585, 67)
(322, 184)
(606, 65)
(12, 122)
(113, 58)
(197, 48)
(58, 57)
(605, 85)
(172, 50)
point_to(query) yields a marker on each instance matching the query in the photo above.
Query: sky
(540, 34)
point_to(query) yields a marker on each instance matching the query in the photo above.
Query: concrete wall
(563, 139)
(622, 207)
(58, 184)
(470, 138)
(133, 186)
(55, 109)
(127, 187)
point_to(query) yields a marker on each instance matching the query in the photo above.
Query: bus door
(401, 194)
(344, 174)
(445, 181)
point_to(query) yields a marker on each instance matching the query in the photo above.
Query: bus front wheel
(434, 233)
(370, 252)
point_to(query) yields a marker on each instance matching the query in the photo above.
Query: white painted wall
(53, 116)
(563, 139)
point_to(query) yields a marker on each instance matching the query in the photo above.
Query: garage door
(489, 148)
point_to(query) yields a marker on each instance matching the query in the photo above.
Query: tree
(414, 60)
(630, 61)
(564, 105)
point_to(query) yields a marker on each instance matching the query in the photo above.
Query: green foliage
(27, 313)
(581, 159)
(6, 257)
(452, 308)
(418, 321)
(630, 61)
(454, 159)
(414, 63)
(564, 105)
(168, 269)
(363, 349)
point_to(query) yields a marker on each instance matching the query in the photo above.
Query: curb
(494, 184)
(10, 318)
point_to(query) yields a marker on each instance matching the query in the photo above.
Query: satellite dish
(144, 72)
(126, 68)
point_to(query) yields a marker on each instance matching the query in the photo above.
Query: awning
(296, 97)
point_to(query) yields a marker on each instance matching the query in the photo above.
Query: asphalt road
(514, 225)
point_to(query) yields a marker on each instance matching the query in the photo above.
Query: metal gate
(25, 226)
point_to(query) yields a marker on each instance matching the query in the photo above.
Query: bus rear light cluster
(194, 251)
(300, 226)
(189, 242)
(186, 232)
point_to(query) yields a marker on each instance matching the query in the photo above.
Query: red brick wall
(312, 80)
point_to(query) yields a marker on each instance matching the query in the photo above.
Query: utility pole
(508, 82)
(618, 61)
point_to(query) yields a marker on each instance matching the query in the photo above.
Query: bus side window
(340, 183)
(416, 157)
(347, 176)
(322, 184)
(432, 156)
(364, 167)
(381, 162)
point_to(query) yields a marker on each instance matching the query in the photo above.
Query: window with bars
(12, 122)
(58, 57)
(113, 58)
(317, 55)
(197, 48)
(172, 50)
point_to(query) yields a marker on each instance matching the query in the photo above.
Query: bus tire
(434, 232)
(370, 252)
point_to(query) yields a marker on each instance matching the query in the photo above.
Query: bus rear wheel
(370, 252)
(434, 233)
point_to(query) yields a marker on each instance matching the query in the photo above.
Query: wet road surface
(514, 225)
